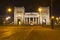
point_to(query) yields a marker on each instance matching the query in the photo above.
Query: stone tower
(45, 15)
(18, 15)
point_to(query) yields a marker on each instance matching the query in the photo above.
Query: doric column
(33, 19)
(29, 20)
(26, 20)
(36, 20)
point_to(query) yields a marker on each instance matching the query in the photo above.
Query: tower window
(19, 11)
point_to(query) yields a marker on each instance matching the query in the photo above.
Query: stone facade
(22, 17)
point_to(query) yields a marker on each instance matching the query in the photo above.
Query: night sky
(30, 5)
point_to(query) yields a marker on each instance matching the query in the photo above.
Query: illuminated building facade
(35, 18)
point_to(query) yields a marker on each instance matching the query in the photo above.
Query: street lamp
(57, 18)
(39, 10)
(52, 17)
(9, 9)
(52, 22)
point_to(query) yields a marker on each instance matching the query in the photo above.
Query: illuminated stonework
(33, 18)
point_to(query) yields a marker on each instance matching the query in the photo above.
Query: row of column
(35, 20)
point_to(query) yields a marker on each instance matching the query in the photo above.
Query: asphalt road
(28, 33)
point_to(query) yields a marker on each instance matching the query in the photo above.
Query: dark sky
(30, 5)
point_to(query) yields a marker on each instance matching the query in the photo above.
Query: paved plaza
(28, 33)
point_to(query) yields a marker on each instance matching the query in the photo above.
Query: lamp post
(9, 10)
(39, 10)
(52, 22)
(51, 6)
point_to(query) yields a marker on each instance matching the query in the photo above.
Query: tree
(1, 20)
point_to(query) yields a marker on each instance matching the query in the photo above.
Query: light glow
(38, 15)
(44, 21)
(9, 9)
(8, 17)
(52, 17)
(57, 18)
(39, 9)
(19, 15)
(19, 23)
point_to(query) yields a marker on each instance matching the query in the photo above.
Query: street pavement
(28, 33)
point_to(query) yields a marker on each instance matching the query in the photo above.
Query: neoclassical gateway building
(31, 18)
